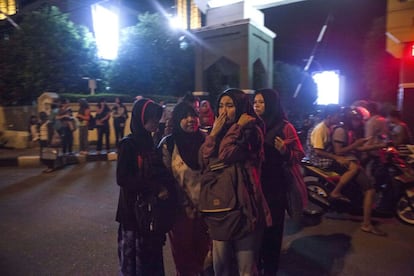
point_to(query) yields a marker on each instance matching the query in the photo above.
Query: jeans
(245, 251)
(103, 131)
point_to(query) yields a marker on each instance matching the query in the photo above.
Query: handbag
(226, 202)
(155, 216)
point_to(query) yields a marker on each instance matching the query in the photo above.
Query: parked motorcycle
(394, 187)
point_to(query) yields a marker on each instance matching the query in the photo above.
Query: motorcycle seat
(329, 175)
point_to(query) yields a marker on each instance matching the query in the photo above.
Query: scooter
(394, 188)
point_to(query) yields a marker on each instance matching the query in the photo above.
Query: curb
(34, 160)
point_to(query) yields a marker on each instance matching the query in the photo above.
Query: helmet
(351, 113)
(363, 111)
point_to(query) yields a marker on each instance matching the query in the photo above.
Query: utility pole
(312, 56)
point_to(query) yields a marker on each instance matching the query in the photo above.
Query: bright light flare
(328, 84)
(177, 23)
(106, 28)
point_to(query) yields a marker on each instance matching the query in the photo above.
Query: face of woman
(227, 107)
(259, 104)
(151, 125)
(189, 123)
(204, 107)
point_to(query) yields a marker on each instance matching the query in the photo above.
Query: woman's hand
(280, 145)
(245, 119)
(218, 124)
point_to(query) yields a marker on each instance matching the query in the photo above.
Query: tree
(49, 53)
(151, 61)
(380, 69)
(286, 79)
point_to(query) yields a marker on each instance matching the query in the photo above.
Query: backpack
(227, 202)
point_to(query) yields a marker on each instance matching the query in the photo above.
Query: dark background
(297, 27)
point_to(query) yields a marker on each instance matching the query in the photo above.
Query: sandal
(373, 230)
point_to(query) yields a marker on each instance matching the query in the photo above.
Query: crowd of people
(57, 128)
(164, 163)
(251, 135)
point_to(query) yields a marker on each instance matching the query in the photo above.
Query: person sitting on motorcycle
(322, 155)
(346, 143)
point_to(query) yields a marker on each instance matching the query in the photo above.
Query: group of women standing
(256, 134)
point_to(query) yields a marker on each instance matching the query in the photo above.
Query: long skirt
(140, 255)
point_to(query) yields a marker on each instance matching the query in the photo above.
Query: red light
(412, 50)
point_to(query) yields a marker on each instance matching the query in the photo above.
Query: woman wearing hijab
(282, 147)
(236, 138)
(139, 170)
(206, 116)
(84, 115)
(188, 238)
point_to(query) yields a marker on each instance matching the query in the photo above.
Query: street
(62, 223)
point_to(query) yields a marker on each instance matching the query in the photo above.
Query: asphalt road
(62, 223)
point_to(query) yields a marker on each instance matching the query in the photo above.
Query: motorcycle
(394, 188)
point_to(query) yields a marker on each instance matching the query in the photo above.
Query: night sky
(298, 25)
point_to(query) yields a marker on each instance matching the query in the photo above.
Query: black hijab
(188, 144)
(142, 111)
(273, 115)
(243, 105)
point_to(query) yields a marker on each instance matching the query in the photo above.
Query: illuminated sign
(328, 84)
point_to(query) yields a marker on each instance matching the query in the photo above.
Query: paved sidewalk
(30, 157)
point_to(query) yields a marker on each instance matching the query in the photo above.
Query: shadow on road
(317, 255)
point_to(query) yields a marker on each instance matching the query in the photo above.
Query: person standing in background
(84, 115)
(33, 129)
(399, 131)
(193, 100)
(44, 141)
(119, 115)
(206, 116)
(103, 113)
(283, 151)
(64, 116)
